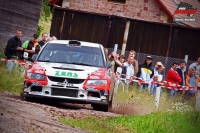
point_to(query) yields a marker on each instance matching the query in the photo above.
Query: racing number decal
(68, 74)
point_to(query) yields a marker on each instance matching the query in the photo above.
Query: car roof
(89, 44)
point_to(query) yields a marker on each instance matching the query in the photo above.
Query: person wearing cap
(145, 72)
(32, 46)
(158, 68)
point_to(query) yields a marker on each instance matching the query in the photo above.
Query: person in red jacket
(173, 79)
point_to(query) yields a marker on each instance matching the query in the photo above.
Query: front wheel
(105, 107)
(100, 107)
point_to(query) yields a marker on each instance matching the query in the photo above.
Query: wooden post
(125, 37)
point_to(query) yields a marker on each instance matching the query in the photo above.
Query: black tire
(104, 108)
(28, 99)
(101, 107)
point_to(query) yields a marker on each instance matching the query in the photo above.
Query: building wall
(138, 9)
(19, 14)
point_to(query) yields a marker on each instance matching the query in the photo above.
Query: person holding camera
(111, 58)
(13, 47)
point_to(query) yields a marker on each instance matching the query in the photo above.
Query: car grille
(64, 92)
(71, 81)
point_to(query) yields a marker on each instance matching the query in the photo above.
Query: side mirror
(34, 57)
(108, 64)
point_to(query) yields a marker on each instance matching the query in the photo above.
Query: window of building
(118, 1)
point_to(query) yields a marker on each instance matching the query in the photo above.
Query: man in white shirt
(129, 67)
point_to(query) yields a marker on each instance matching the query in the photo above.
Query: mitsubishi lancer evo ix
(71, 71)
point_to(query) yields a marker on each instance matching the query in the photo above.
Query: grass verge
(159, 122)
(10, 82)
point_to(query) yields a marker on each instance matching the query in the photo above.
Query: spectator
(174, 78)
(54, 38)
(117, 55)
(106, 52)
(159, 67)
(127, 68)
(117, 59)
(49, 39)
(196, 67)
(112, 60)
(119, 63)
(122, 59)
(145, 72)
(154, 85)
(191, 81)
(13, 47)
(135, 63)
(44, 39)
(181, 72)
(32, 47)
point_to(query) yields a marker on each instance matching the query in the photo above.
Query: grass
(2, 55)
(174, 115)
(10, 81)
(147, 101)
(159, 122)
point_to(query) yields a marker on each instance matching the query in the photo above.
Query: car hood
(66, 70)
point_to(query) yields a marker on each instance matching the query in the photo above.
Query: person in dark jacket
(145, 72)
(182, 73)
(44, 39)
(13, 47)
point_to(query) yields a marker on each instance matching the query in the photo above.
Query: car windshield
(61, 53)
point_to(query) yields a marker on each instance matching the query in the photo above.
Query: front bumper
(65, 99)
(67, 94)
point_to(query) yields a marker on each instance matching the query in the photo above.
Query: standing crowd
(152, 74)
(15, 48)
(129, 66)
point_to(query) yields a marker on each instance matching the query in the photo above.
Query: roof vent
(74, 42)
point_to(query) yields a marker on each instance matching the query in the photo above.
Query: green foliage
(45, 10)
(10, 81)
(159, 122)
(2, 55)
(40, 30)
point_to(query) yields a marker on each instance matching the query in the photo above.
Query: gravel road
(18, 116)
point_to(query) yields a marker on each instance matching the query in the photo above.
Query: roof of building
(170, 7)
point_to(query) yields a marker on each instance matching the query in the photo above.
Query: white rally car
(71, 71)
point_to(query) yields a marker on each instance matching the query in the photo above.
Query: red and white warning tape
(21, 62)
(168, 85)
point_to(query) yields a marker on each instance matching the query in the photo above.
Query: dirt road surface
(18, 116)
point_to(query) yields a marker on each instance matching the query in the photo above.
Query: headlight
(97, 82)
(36, 76)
